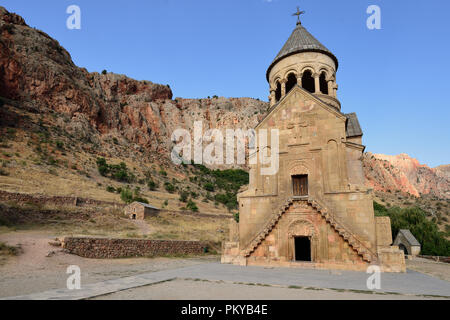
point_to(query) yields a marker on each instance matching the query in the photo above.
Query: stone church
(316, 211)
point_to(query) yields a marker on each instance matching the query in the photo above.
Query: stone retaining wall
(436, 258)
(57, 200)
(198, 214)
(103, 248)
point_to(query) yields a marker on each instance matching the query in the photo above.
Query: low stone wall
(57, 200)
(198, 214)
(104, 248)
(436, 258)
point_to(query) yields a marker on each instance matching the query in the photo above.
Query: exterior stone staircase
(347, 235)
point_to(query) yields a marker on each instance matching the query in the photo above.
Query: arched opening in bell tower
(308, 81)
(291, 82)
(323, 83)
(278, 92)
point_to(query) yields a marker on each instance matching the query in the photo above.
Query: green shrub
(228, 200)
(140, 199)
(110, 189)
(184, 196)
(194, 195)
(163, 173)
(102, 166)
(192, 206)
(104, 72)
(209, 187)
(169, 187)
(152, 185)
(433, 241)
(126, 195)
(118, 172)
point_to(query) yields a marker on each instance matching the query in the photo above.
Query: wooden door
(300, 185)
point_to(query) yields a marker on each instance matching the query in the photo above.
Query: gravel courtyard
(40, 273)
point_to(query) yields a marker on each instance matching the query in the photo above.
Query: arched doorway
(303, 241)
(403, 248)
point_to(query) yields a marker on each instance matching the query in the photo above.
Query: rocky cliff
(403, 173)
(38, 75)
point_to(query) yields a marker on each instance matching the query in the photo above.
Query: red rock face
(37, 73)
(405, 174)
(35, 70)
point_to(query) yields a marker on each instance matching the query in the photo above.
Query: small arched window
(291, 82)
(308, 81)
(323, 83)
(278, 92)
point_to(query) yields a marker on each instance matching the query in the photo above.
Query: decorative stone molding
(298, 169)
(301, 228)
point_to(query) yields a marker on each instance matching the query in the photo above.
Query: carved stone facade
(333, 226)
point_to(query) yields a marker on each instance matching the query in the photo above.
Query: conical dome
(301, 41)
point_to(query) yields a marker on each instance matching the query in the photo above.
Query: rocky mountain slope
(110, 115)
(405, 174)
(39, 74)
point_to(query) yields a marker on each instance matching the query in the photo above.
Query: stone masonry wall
(57, 200)
(103, 248)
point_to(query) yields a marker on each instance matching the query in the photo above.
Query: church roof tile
(301, 41)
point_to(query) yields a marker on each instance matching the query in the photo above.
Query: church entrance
(302, 249)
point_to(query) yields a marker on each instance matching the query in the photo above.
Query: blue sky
(396, 78)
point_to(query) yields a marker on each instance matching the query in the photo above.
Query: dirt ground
(436, 269)
(42, 267)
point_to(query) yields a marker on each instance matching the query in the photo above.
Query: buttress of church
(315, 211)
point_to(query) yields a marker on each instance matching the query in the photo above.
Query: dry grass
(106, 221)
(170, 226)
(27, 174)
(74, 172)
(7, 251)
(65, 220)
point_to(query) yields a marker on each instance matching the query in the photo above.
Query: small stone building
(139, 210)
(407, 242)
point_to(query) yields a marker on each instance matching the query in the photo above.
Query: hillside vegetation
(432, 240)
